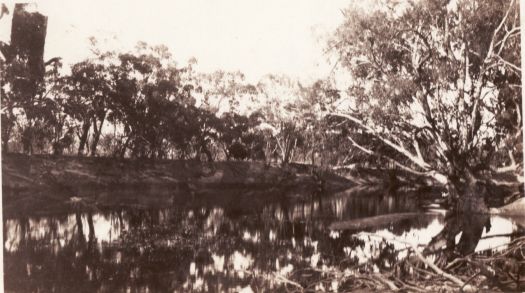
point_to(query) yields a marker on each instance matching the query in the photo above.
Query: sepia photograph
(262, 146)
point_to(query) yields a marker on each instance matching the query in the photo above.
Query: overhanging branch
(422, 164)
(406, 168)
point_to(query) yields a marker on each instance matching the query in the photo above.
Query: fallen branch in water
(414, 273)
(282, 279)
(440, 272)
(429, 263)
(363, 223)
(409, 286)
(386, 281)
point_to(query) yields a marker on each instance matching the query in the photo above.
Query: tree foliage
(438, 83)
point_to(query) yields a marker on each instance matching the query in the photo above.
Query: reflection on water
(207, 245)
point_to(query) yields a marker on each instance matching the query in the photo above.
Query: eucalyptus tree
(89, 88)
(438, 85)
(36, 118)
(147, 86)
(228, 95)
(59, 124)
(240, 137)
(225, 91)
(11, 104)
(324, 136)
(22, 77)
(278, 98)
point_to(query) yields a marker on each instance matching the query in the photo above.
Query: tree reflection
(206, 245)
(473, 227)
(470, 228)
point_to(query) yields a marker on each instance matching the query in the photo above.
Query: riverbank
(21, 173)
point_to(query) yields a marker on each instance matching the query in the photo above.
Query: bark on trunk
(83, 137)
(5, 139)
(205, 150)
(124, 147)
(471, 227)
(467, 193)
(91, 226)
(96, 135)
(80, 229)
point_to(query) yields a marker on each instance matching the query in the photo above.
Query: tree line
(141, 104)
(433, 87)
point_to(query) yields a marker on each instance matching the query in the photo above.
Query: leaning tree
(437, 84)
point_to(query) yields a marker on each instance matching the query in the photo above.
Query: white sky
(253, 36)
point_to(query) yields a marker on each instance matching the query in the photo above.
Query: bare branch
(513, 32)
(344, 167)
(365, 150)
(388, 142)
(387, 282)
(426, 261)
(505, 183)
(496, 31)
(370, 152)
(511, 168)
(516, 68)
(418, 151)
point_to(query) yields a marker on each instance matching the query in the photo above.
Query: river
(211, 242)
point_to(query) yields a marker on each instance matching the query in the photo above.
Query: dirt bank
(76, 174)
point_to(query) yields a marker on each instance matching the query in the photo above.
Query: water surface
(211, 242)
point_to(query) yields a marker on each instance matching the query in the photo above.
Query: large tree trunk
(80, 229)
(471, 226)
(207, 152)
(96, 135)
(466, 193)
(124, 147)
(83, 136)
(91, 226)
(6, 134)
(27, 139)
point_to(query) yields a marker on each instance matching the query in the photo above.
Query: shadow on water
(228, 240)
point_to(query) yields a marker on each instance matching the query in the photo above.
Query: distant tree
(324, 137)
(59, 123)
(233, 128)
(224, 91)
(89, 87)
(147, 91)
(280, 96)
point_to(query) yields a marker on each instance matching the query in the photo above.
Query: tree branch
(388, 142)
(429, 263)
(370, 152)
(501, 44)
(507, 63)
(496, 31)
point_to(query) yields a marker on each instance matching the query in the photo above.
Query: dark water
(211, 242)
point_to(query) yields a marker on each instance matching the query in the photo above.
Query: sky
(253, 36)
